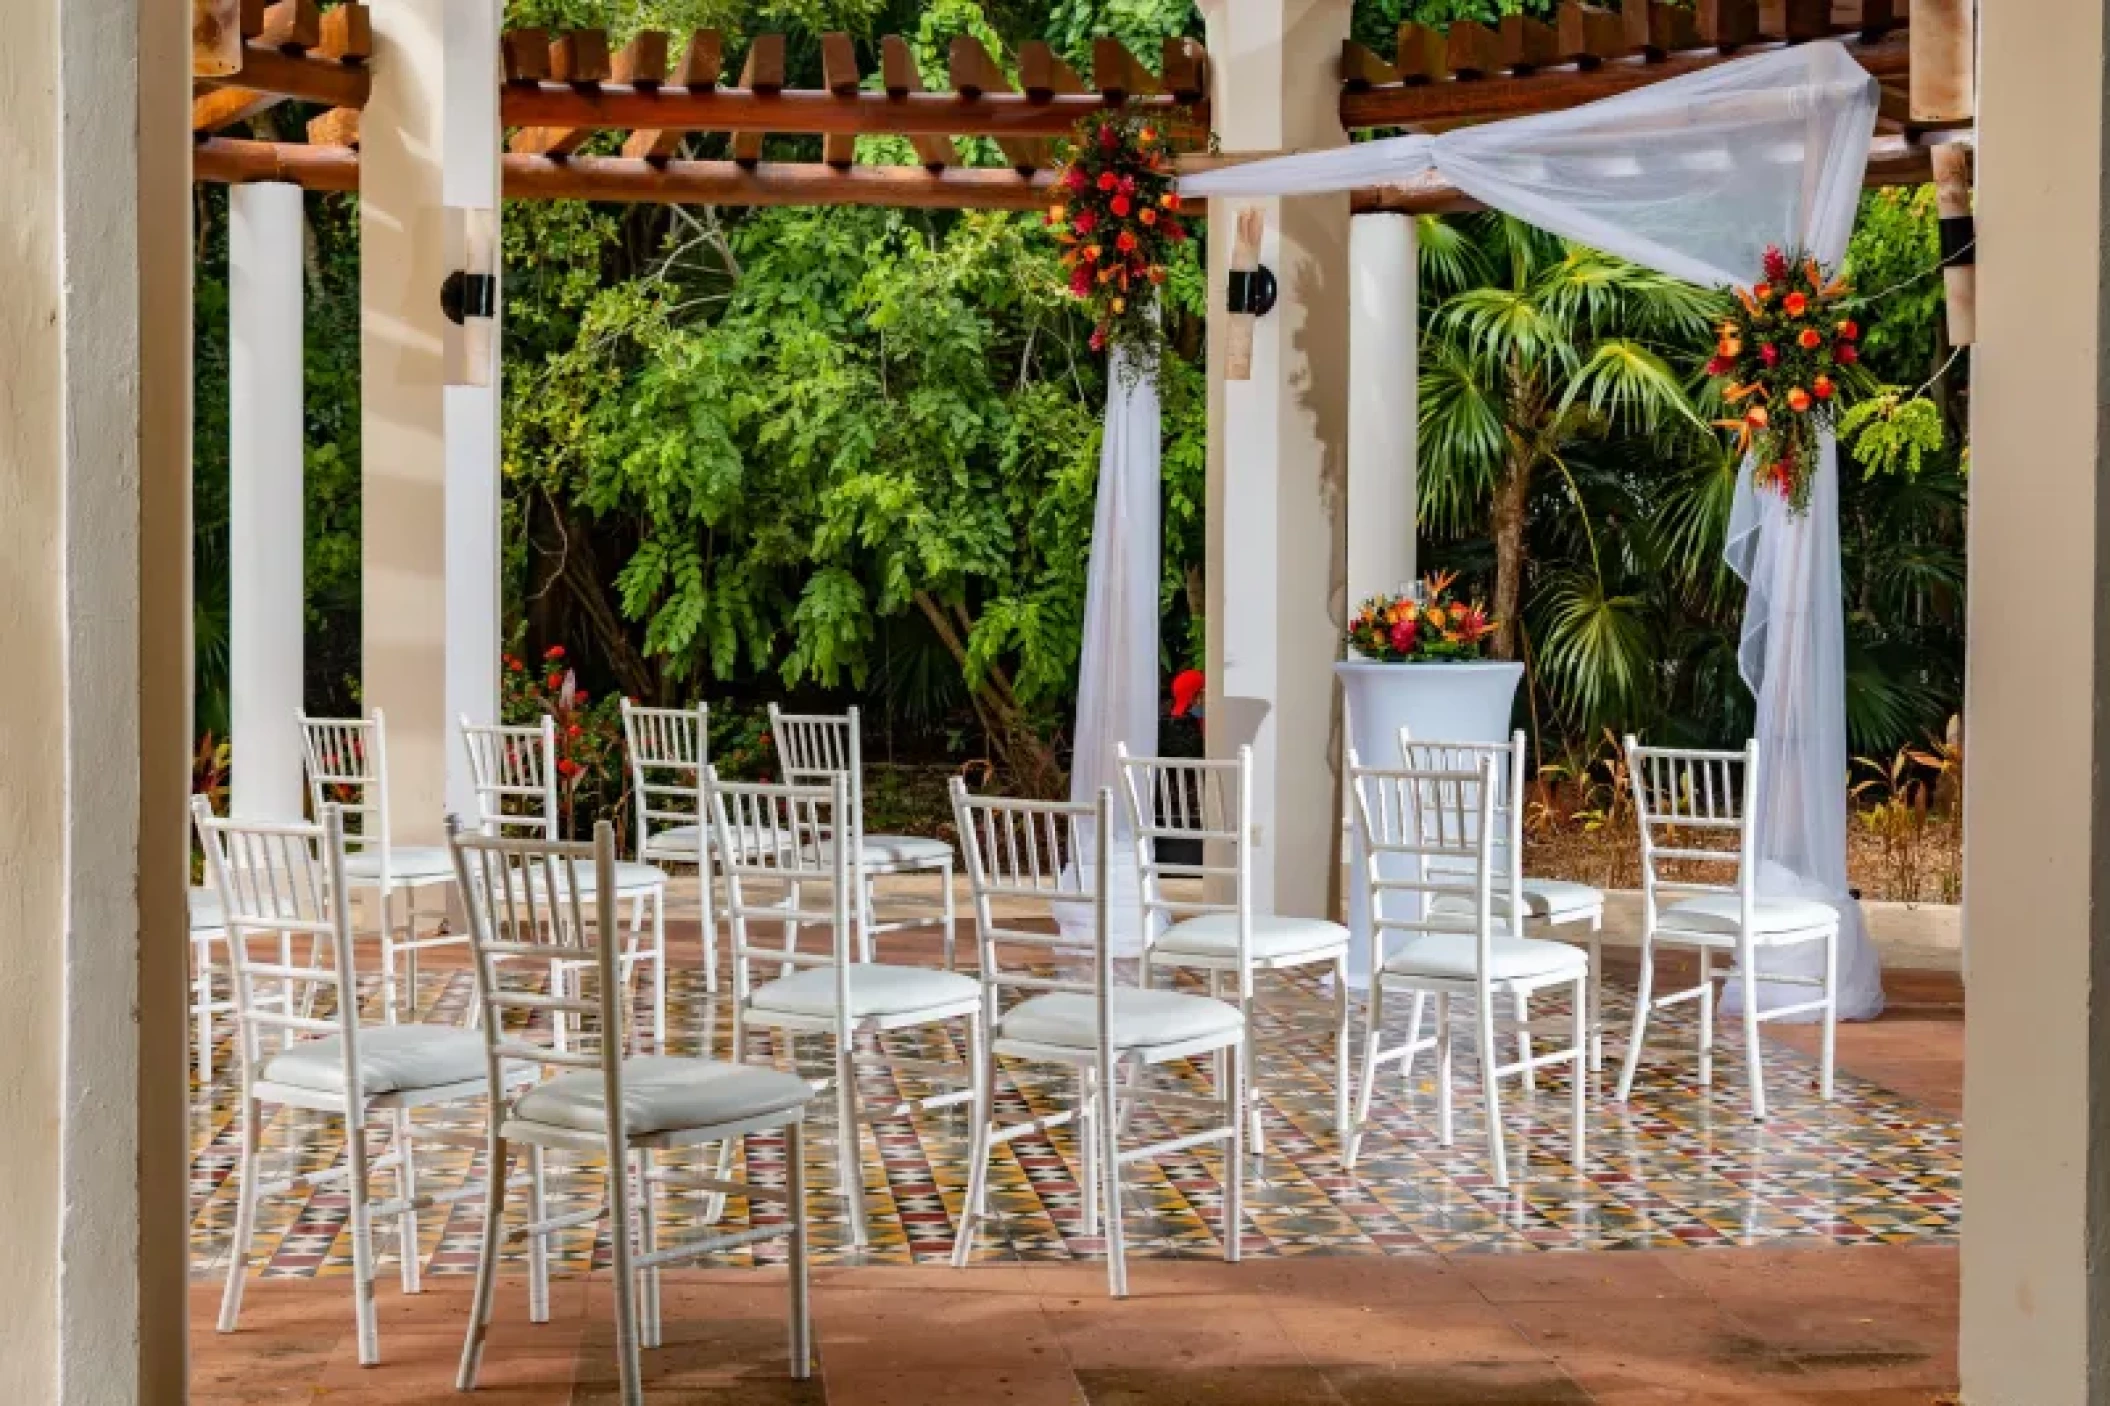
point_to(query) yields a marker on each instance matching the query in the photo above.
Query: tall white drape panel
(1696, 176)
(1117, 686)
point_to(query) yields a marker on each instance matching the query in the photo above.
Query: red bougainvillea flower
(579, 697)
(1085, 222)
(1175, 231)
(1125, 241)
(1809, 338)
(1107, 180)
(1845, 355)
(1075, 179)
(1121, 207)
(1848, 330)
(1127, 185)
(1187, 686)
(1769, 354)
(574, 731)
(1081, 281)
(1108, 138)
(1795, 304)
(1098, 339)
(1719, 366)
(1775, 264)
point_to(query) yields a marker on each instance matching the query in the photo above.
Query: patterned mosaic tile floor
(1679, 1166)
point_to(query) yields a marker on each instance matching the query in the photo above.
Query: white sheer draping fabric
(1117, 685)
(1695, 176)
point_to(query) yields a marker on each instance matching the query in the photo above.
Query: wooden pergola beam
(700, 66)
(839, 70)
(224, 107)
(974, 71)
(902, 80)
(326, 82)
(811, 111)
(1412, 104)
(762, 78)
(232, 162)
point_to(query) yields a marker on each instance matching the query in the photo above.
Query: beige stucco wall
(2037, 1069)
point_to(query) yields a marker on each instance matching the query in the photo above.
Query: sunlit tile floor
(1679, 1166)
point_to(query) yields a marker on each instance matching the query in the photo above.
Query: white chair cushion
(392, 1059)
(1216, 935)
(206, 915)
(876, 991)
(1070, 1019)
(1722, 913)
(664, 1093)
(678, 842)
(895, 849)
(1453, 956)
(406, 864)
(1550, 899)
(630, 877)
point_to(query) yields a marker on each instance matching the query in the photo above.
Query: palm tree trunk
(1510, 498)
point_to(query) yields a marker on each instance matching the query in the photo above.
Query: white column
(428, 138)
(2036, 1279)
(1278, 446)
(470, 182)
(266, 522)
(1383, 342)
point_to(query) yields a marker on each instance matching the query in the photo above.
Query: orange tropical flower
(1810, 337)
(1798, 398)
(1795, 304)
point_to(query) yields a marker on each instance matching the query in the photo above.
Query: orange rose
(1795, 304)
(1170, 200)
(1822, 386)
(1755, 417)
(1809, 337)
(1147, 216)
(1798, 398)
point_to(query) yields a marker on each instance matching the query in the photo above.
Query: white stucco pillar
(1383, 344)
(428, 138)
(1278, 452)
(2036, 1273)
(266, 522)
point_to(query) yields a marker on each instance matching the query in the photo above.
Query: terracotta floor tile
(780, 1393)
(1171, 1336)
(1525, 1278)
(1266, 1385)
(881, 1330)
(1436, 1383)
(939, 1386)
(1404, 1335)
(1667, 1346)
(427, 1362)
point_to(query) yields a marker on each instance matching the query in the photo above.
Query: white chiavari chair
(1547, 905)
(206, 927)
(1208, 805)
(347, 764)
(1429, 838)
(668, 750)
(1023, 854)
(513, 769)
(532, 902)
(773, 850)
(813, 747)
(278, 882)
(1683, 800)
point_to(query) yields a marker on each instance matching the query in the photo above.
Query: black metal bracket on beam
(1959, 240)
(1252, 292)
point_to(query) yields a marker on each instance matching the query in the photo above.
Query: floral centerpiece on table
(1415, 628)
(1117, 216)
(1788, 352)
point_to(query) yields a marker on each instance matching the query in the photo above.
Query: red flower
(1128, 185)
(1187, 686)
(1170, 200)
(579, 697)
(1107, 137)
(1075, 179)
(1175, 231)
(1769, 354)
(1404, 633)
(1795, 304)
(1098, 339)
(1848, 330)
(1775, 264)
(1081, 281)
(1719, 366)
(574, 731)
(1085, 222)
(1823, 387)
(555, 651)
(1809, 338)
(1845, 355)
(1121, 206)
(1125, 241)
(554, 682)
(1107, 181)
(567, 768)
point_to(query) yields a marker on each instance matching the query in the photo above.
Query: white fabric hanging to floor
(1695, 176)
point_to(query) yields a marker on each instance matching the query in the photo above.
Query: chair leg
(362, 1240)
(1831, 1016)
(1110, 1181)
(1089, 1116)
(1707, 1016)
(801, 1298)
(538, 1245)
(707, 916)
(1753, 1054)
(648, 1237)
(1234, 1169)
(849, 1153)
(714, 1202)
(1247, 1057)
(407, 1184)
(1580, 1070)
(1491, 1088)
(1596, 993)
(495, 1177)
(1443, 1068)
(201, 1008)
(1373, 1021)
(629, 1372)
(1343, 1082)
(244, 1214)
(791, 926)
(1644, 998)
(1406, 1061)
(386, 902)
(972, 1208)
(1522, 1009)
(951, 919)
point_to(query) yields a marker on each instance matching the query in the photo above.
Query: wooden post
(1944, 41)
(215, 38)
(1952, 196)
